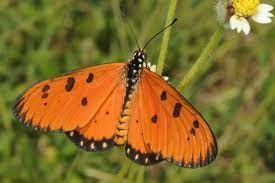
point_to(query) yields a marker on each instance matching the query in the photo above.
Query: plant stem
(166, 37)
(140, 176)
(123, 171)
(72, 165)
(200, 62)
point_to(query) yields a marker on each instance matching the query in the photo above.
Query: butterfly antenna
(125, 19)
(160, 32)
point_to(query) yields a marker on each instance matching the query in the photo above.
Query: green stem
(123, 171)
(140, 176)
(166, 36)
(72, 165)
(132, 172)
(200, 62)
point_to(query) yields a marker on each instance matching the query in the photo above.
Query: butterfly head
(140, 56)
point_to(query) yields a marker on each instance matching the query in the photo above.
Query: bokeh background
(235, 91)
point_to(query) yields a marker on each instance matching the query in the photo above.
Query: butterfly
(121, 104)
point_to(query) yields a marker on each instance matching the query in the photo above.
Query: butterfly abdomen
(123, 124)
(133, 71)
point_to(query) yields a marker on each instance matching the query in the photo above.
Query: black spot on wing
(45, 95)
(192, 131)
(45, 88)
(90, 78)
(84, 101)
(196, 124)
(163, 96)
(154, 118)
(70, 84)
(177, 109)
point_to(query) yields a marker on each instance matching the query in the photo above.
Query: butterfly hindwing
(98, 134)
(70, 101)
(171, 127)
(136, 149)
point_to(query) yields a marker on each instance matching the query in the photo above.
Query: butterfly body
(102, 106)
(133, 71)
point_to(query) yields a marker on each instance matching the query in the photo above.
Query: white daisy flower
(153, 68)
(244, 9)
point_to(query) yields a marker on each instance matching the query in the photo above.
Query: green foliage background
(235, 92)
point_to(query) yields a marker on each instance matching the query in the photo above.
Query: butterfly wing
(170, 126)
(136, 149)
(70, 101)
(98, 134)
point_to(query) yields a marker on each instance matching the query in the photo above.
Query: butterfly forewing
(69, 101)
(171, 127)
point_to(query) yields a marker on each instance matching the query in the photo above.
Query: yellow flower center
(245, 8)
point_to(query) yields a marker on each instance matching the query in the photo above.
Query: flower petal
(263, 13)
(166, 78)
(269, 14)
(144, 64)
(153, 68)
(233, 22)
(245, 26)
(264, 7)
(241, 24)
(262, 18)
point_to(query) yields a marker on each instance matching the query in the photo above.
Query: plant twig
(123, 171)
(72, 165)
(166, 37)
(140, 176)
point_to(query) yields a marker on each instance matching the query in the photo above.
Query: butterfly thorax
(132, 74)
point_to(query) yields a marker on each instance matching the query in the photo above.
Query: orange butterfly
(121, 104)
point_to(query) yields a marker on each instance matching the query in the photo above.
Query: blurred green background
(235, 92)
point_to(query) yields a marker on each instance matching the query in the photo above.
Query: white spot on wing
(104, 145)
(72, 133)
(92, 145)
(136, 157)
